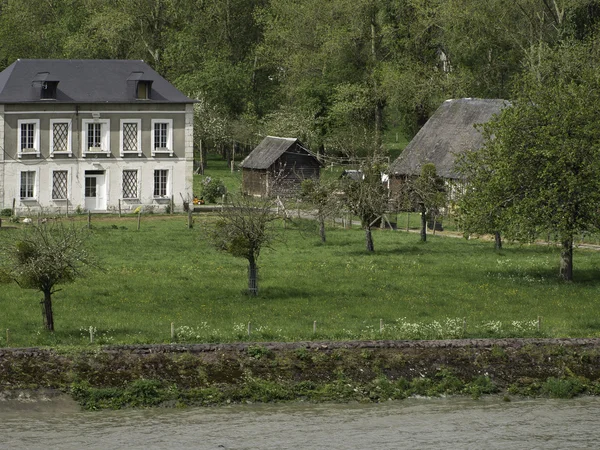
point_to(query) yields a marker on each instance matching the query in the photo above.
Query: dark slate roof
(84, 81)
(450, 131)
(269, 150)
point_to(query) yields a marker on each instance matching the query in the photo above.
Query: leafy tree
(539, 170)
(243, 229)
(41, 257)
(321, 195)
(429, 192)
(481, 204)
(366, 198)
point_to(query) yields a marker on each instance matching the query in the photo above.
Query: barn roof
(84, 81)
(269, 150)
(450, 131)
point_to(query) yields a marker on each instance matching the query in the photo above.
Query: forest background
(343, 76)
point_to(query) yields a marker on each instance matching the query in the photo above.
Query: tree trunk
(369, 237)
(423, 222)
(322, 229)
(252, 276)
(202, 157)
(566, 260)
(497, 240)
(47, 311)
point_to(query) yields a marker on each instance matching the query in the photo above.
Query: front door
(95, 190)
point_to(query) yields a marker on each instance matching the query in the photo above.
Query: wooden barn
(277, 166)
(449, 132)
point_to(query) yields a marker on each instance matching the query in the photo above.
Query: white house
(92, 134)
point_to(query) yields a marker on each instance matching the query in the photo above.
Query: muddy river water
(450, 423)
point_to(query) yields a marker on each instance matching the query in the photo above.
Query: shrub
(6, 212)
(212, 188)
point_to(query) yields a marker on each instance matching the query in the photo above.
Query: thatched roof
(449, 132)
(269, 150)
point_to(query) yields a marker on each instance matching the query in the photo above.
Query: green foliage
(539, 172)
(258, 352)
(562, 387)
(6, 212)
(213, 189)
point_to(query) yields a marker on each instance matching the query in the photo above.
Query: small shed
(449, 132)
(277, 166)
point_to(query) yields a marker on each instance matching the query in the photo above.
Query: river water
(451, 423)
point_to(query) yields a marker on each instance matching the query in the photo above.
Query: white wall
(180, 172)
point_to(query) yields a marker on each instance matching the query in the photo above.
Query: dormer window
(143, 89)
(49, 90)
(47, 87)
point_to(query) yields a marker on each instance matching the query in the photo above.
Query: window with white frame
(60, 136)
(27, 188)
(162, 136)
(130, 184)
(29, 137)
(161, 178)
(59, 184)
(96, 136)
(131, 136)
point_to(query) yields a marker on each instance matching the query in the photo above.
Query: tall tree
(542, 154)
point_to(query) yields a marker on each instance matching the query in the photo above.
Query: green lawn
(217, 168)
(167, 273)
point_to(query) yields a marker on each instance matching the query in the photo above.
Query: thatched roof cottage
(277, 166)
(449, 132)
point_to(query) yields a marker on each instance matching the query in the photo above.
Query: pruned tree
(44, 256)
(366, 198)
(429, 193)
(321, 195)
(243, 229)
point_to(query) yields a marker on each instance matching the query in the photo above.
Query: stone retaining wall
(232, 372)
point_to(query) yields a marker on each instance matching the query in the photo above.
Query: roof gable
(450, 131)
(84, 81)
(269, 150)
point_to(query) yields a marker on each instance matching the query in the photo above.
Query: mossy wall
(173, 375)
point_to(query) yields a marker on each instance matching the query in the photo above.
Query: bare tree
(429, 193)
(243, 229)
(367, 198)
(321, 195)
(44, 256)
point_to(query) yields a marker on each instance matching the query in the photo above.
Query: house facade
(277, 167)
(95, 135)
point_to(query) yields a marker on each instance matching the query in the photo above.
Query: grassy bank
(166, 273)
